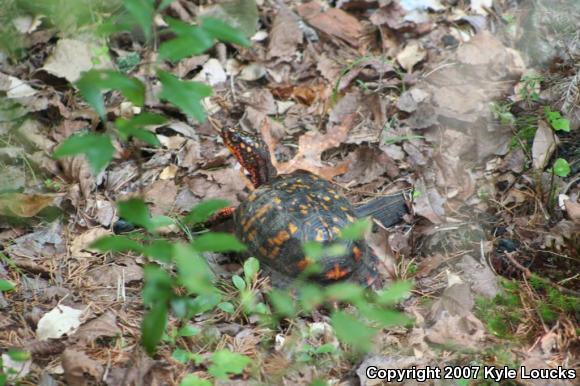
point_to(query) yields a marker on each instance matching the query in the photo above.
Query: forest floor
(475, 107)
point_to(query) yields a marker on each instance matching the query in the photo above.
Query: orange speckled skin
(287, 211)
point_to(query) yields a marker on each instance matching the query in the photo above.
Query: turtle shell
(278, 218)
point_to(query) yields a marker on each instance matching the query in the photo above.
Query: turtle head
(251, 152)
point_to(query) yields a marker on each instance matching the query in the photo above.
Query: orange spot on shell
(259, 213)
(357, 253)
(337, 273)
(280, 238)
(319, 235)
(293, 228)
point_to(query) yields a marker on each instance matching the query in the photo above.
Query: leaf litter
(377, 96)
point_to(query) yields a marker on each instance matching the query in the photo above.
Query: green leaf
(190, 40)
(217, 242)
(204, 303)
(316, 251)
(325, 349)
(153, 326)
(184, 94)
(194, 380)
(93, 82)
(282, 302)
(159, 250)
(352, 331)
(239, 283)
(188, 330)
(251, 268)
(311, 296)
(356, 230)
(561, 167)
(134, 127)
(561, 124)
(6, 286)
(226, 307)
(395, 293)
(180, 355)
(157, 222)
(164, 4)
(115, 243)
(224, 32)
(193, 271)
(18, 355)
(225, 362)
(345, 292)
(385, 318)
(158, 285)
(142, 11)
(135, 211)
(204, 210)
(96, 147)
(556, 120)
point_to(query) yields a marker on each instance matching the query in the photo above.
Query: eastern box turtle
(286, 211)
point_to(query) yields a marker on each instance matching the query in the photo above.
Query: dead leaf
(161, 195)
(242, 14)
(260, 99)
(304, 94)
(481, 278)
(412, 54)
(573, 210)
(368, 69)
(285, 35)
(72, 57)
(112, 274)
(14, 87)
(481, 6)
(226, 183)
(545, 142)
(79, 369)
(411, 99)
(366, 164)
(45, 242)
(79, 247)
(211, 73)
(252, 72)
(429, 204)
(329, 67)
(137, 372)
(466, 332)
(334, 22)
(34, 133)
(77, 169)
(169, 172)
(493, 59)
(105, 326)
(456, 300)
(24, 205)
(57, 322)
(310, 148)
